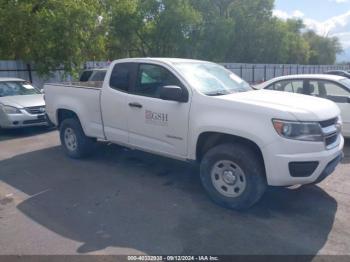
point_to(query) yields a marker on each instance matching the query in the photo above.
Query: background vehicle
(339, 73)
(198, 111)
(21, 104)
(93, 75)
(332, 87)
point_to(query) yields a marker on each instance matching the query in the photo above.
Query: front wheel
(75, 143)
(233, 175)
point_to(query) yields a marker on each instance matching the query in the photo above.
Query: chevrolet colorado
(191, 110)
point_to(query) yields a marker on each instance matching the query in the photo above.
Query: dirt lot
(128, 202)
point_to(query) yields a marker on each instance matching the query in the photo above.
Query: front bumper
(24, 119)
(278, 158)
(330, 168)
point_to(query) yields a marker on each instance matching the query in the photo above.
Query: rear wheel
(233, 175)
(75, 143)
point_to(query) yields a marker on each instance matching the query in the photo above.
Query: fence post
(253, 74)
(29, 69)
(297, 69)
(274, 71)
(283, 69)
(265, 73)
(241, 71)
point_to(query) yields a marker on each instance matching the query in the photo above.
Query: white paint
(247, 115)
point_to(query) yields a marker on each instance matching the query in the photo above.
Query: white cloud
(344, 39)
(281, 14)
(284, 15)
(339, 1)
(298, 14)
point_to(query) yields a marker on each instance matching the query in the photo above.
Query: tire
(233, 175)
(74, 142)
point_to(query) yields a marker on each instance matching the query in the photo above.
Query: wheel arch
(208, 140)
(63, 113)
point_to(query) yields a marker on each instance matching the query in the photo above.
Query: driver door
(157, 125)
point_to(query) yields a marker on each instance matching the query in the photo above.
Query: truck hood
(23, 101)
(302, 107)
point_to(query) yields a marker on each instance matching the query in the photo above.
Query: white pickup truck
(198, 111)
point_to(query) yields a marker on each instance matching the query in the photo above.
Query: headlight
(10, 110)
(304, 131)
(339, 124)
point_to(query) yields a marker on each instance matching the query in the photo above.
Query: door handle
(137, 105)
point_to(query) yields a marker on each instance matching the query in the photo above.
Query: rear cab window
(121, 76)
(98, 76)
(85, 76)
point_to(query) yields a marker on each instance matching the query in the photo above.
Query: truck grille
(329, 122)
(331, 132)
(35, 110)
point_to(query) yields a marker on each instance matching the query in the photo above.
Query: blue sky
(326, 17)
(315, 9)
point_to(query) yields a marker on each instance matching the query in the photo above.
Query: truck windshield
(212, 79)
(17, 89)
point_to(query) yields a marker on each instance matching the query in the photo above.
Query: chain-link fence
(252, 73)
(257, 73)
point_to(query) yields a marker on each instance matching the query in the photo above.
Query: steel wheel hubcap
(228, 178)
(70, 139)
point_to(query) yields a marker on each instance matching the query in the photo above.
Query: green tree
(152, 28)
(51, 33)
(323, 50)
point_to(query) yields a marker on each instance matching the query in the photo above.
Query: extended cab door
(157, 125)
(114, 102)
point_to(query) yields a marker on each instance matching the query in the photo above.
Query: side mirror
(171, 93)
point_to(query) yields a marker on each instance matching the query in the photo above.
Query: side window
(120, 77)
(271, 87)
(98, 76)
(85, 76)
(298, 86)
(315, 89)
(292, 86)
(151, 78)
(333, 89)
(288, 87)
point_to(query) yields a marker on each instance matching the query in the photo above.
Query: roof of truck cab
(162, 60)
(10, 79)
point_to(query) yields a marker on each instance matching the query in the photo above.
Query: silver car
(21, 104)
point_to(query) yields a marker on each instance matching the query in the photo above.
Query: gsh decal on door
(154, 118)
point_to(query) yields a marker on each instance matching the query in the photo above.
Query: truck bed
(88, 84)
(81, 98)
